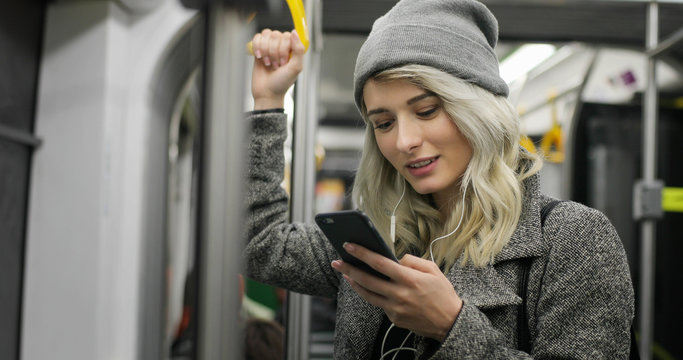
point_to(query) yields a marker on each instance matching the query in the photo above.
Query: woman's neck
(444, 201)
(443, 206)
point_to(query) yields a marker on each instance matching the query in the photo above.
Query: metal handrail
(649, 173)
(303, 175)
(18, 136)
(666, 44)
(222, 205)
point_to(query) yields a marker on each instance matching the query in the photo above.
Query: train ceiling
(596, 22)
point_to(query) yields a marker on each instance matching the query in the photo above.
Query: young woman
(441, 158)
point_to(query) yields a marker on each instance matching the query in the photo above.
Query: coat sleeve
(585, 304)
(294, 256)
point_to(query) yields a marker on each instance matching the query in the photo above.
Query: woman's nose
(409, 135)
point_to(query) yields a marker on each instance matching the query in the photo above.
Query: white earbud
(393, 214)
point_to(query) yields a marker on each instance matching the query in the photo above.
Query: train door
(20, 43)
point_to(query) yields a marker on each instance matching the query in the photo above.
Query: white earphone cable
(395, 350)
(462, 215)
(431, 254)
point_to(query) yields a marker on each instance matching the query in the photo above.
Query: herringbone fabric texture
(580, 296)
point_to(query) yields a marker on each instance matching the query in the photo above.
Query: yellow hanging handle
(296, 8)
(528, 144)
(524, 140)
(554, 136)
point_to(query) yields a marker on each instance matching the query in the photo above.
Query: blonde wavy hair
(491, 184)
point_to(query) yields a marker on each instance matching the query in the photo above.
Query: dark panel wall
(607, 164)
(21, 25)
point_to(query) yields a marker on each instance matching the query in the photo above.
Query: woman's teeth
(421, 164)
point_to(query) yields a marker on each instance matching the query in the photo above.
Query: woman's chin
(423, 189)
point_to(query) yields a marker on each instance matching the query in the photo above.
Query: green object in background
(672, 199)
(262, 293)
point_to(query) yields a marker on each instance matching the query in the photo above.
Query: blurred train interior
(121, 149)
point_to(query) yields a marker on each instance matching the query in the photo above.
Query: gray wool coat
(580, 297)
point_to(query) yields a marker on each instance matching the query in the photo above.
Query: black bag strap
(523, 341)
(545, 211)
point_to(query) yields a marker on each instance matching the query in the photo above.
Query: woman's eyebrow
(409, 102)
(376, 111)
(420, 97)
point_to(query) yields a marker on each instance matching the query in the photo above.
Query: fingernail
(266, 61)
(336, 264)
(349, 247)
(283, 62)
(258, 54)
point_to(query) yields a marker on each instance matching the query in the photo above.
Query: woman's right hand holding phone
(278, 60)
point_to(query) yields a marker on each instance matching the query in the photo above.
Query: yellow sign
(672, 199)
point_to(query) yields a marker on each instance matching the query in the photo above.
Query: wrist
(268, 103)
(444, 331)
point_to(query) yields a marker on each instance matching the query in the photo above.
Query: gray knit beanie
(455, 36)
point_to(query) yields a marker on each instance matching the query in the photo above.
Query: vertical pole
(221, 200)
(303, 177)
(648, 225)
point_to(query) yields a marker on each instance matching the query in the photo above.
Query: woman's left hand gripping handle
(278, 60)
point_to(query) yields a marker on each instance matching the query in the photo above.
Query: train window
(168, 319)
(181, 222)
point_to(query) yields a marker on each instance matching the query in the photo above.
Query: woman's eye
(428, 112)
(383, 125)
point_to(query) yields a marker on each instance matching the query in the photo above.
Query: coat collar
(485, 287)
(482, 287)
(527, 239)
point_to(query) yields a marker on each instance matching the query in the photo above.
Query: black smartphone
(355, 227)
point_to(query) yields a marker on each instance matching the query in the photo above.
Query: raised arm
(294, 256)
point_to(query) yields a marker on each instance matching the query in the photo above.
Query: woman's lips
(422, 167)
